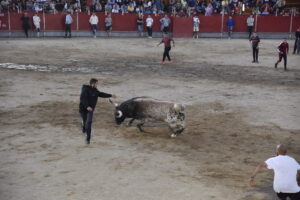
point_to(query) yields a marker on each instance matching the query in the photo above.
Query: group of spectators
(176, 7)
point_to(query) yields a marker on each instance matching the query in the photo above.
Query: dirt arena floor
(237, 112)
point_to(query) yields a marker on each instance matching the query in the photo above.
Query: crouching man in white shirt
(286, 170)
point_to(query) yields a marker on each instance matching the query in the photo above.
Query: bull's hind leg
(139, 125)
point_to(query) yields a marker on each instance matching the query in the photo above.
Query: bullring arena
(236, 113)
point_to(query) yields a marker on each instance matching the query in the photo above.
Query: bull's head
(119, 115)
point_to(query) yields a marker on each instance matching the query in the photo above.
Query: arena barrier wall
(180, 26)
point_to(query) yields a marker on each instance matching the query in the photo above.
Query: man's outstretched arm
(258, 168)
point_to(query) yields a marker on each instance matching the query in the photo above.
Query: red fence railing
(180, 26)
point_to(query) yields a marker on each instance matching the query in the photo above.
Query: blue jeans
(230, 31)
(140, 27)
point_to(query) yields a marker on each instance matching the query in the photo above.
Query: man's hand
(251, 180)
(114, 96)
(90, 109)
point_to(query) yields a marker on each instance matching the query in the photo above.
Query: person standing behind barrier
(149, 24)
(255, 41)
(37, 23)
(167, 42)
(94, 23)
(230, 23)
(140, 21)
(196, 23)
(286, 169)
(165, 24)
(68, 23)
(297, 38)
(108, 24)
(25, 23)
(283, 50)
(250, 24)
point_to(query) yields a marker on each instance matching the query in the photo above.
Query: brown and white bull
(146, 108)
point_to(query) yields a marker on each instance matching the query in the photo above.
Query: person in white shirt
(250, 24)
(37, 23)
(94, 23)
(286, 170)
(196, 23)
(149, 24)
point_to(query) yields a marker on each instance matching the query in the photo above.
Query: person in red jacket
(167, 41)
(283, 50)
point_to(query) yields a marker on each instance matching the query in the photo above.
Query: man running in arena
(283, 50)
(88, 101)
(167, 42)
(286, 172)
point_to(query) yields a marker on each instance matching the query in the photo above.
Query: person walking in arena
(94, 23)
(167, 42)
(88, 100)
(286, 172)
(283, 50)
(297, 38)
(68, 23)
(255, 41)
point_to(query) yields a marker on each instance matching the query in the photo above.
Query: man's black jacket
(89, 97)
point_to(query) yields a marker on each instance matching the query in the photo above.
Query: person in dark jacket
(88, 100)
(25, 24)
(255, 41)
(297, 37)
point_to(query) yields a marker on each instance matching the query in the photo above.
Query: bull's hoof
(140, 128)
(173, 135)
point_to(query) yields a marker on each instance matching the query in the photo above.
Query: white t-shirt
(149, 22)
(94, 19)
(36, 20)
(250, 21)
(196, 21)
(285, 173)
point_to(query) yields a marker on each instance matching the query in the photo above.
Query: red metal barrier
(275, 24)
(4, 26)
(210, 24)
(180, 26)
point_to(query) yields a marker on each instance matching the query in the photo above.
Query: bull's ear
(115, 104)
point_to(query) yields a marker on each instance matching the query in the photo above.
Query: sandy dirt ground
(237, 112)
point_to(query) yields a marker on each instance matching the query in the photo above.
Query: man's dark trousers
(87, 118)
(68, 30)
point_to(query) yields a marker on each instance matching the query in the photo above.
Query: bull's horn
(177, 107)
(115, 104)
(119, 114)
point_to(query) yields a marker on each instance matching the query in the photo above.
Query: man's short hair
(93, 80)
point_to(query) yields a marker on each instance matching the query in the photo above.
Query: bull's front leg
(130, 122)
(139, 125)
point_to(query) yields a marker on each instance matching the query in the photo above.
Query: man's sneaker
(275, 65)
(253, 61)
(162, 62)
(87, 141)
(83, 129)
